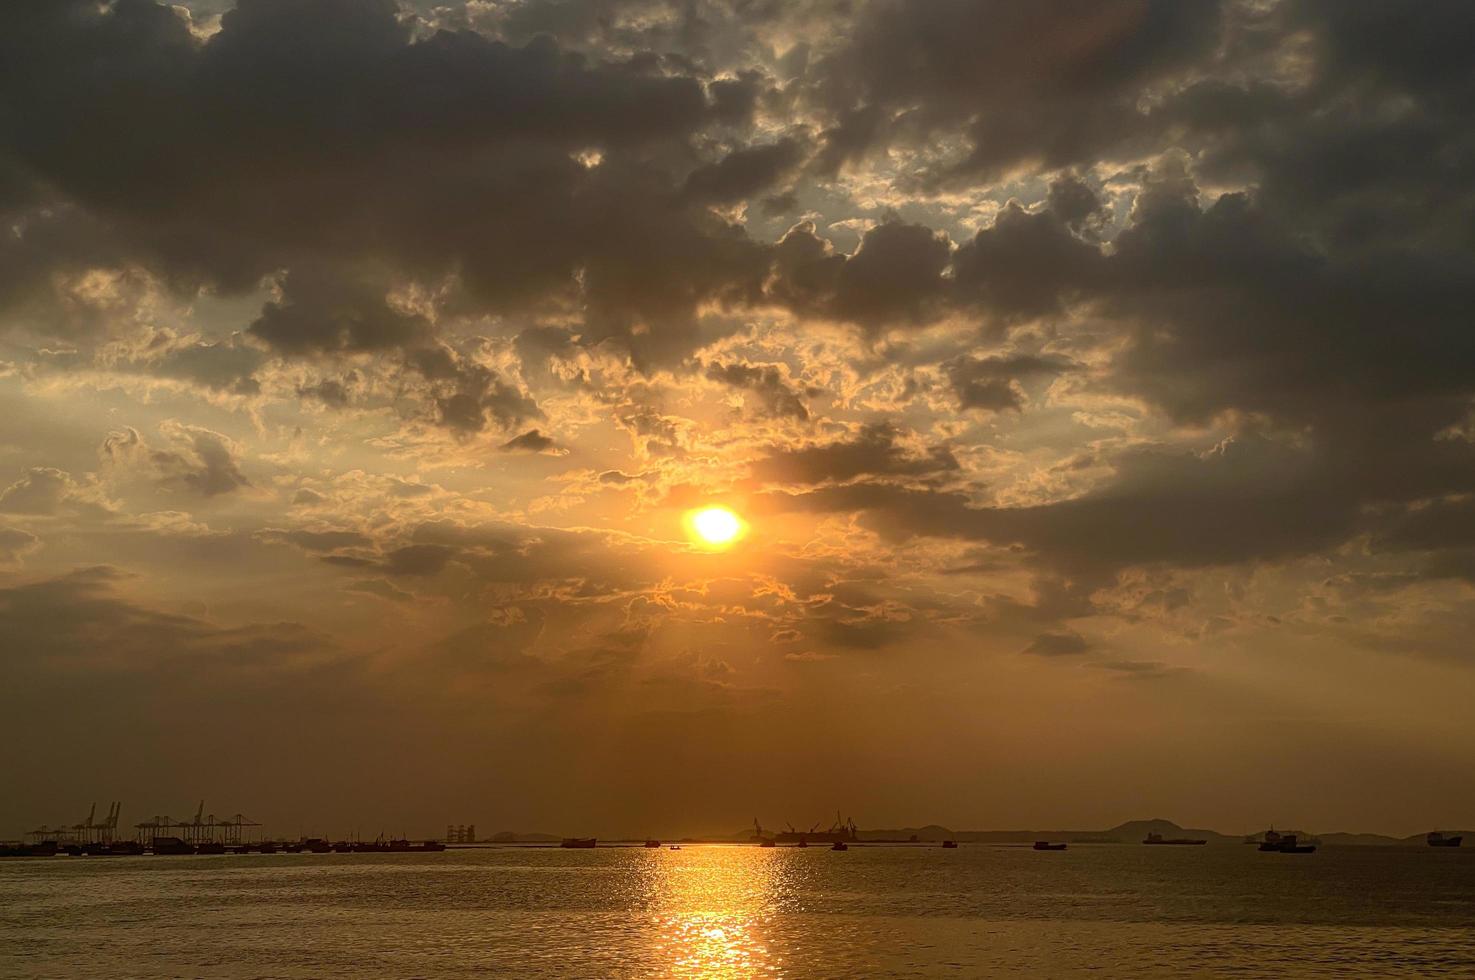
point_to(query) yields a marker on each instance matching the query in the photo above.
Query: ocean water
(717, 911)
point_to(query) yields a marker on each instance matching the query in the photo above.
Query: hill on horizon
(1128, 832)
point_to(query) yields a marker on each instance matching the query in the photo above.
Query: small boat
(653, 843)
(1436, 839)
(949, 845)
(675, 847)
(1287, 844)
(1044, 845)
(1160, 839)
(839, 845)
(579, 842)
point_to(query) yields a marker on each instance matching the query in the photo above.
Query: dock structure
(201, 834)
(200, 829)
(89, 831)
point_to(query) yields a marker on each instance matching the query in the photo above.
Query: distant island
(1131, 832)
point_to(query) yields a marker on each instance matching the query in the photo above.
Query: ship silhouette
(842, 831)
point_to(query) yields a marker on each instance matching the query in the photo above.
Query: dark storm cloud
(326, 312)
(227, 365)
(874, 451)
(1050, 84)
(1248, 500)
(991, 383)
(46, 245)
(769, 386)
(1320, 312)
(308, 131)
(743, 173)
(894, 276)
(1028, 265)
(467, 394)
(1024, 265)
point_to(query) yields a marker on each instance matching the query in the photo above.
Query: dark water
(739, 911)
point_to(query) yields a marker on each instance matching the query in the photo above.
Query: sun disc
(715, 526)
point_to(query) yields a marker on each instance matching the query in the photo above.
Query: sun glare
(715, 527)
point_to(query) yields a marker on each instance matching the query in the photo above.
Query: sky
(1095, 380)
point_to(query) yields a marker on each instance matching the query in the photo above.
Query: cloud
(743, 173)
(461, 126)
(199, 460)
(79, 622)
(1064, 644)
(383, 588)
(326, 312)
(1141, 669)
(876, 449)
(894, 276)
(15, 544)
(992, 384)
(1007, 327)
(768, 384)
(808, 657)
(1050, 85)
(467, 394)
(531, 441)
(1245, 500)
(47, 491)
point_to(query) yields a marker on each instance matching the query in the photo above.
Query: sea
(710, 911)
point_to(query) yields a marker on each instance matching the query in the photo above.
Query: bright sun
(715, 526)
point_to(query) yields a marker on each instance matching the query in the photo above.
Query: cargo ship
(1437, 839)
(1285, 844)
(579, 842)
(171, 845)
(1160, 839)
(842, 831)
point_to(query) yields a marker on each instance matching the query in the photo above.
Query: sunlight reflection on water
(713, 907)
(726, 912)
